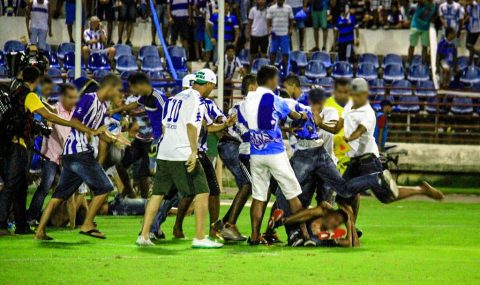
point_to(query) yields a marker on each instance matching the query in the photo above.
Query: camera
(17, 61)
(40, 129)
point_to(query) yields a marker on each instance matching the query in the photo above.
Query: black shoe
(359, 232)
(33, 223)
(72, 41)
(271, 237)
(128, 43)
(119, 42)
(309, 243)
(295, 239)
(154, 44)
(260, 241)
(314, 49)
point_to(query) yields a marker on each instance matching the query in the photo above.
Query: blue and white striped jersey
(180, 8)
(90, 34)
(473, 12)
(91, 112)
(452, 13)
(213, 114)
(240, 129)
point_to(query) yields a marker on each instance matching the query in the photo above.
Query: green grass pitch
(410, 242)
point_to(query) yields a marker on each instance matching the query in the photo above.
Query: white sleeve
(330, 114)
(269, 13)
(250, 14)
(368, 120)
(195, 111)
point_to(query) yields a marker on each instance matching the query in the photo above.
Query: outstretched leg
(424, 189)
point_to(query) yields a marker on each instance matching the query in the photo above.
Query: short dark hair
(266, 73)
(386, 103)
(283, 94)
(110, 80)
(30, 74)
(248, 80)
(230, 46)
(292, 80)
(449, 30)
(138, 78)
(342, 213)
(317, 95)
(65, 87)
(341, 82)
(47, 80)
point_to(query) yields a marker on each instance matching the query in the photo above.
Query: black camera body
(17, 61)
(40, 129)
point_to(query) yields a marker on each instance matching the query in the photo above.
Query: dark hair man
(381, 128)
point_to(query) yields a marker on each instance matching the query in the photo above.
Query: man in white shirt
(451, 15)
(257, 30)
(280, 27)
(177, 164)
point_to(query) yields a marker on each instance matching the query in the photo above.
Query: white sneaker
(205, 243)
(144, 242)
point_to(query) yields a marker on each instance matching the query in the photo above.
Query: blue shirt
(212, 115)
(179, 8)
(473, 12)
(154, 105)
(231, 23)
(307, 128)
(382, 122)
(303, 99)
(263, 112)
(346, 28)
(447, 50)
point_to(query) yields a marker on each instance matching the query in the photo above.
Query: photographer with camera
(17, 129)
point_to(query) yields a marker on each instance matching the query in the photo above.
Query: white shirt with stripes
(39, 15)
(90, 34)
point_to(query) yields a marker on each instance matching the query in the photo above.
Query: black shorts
(180, 28)
(106, 12)
(346, 52)
(258, 44)
(128, 12)
(209, 173)
(472, 39)
(138, 151)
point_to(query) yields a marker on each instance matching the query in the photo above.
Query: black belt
(363, 157)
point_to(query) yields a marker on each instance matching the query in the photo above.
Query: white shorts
(263, 167)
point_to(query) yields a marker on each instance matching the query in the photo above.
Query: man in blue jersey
(381, 128)
(347, 35)
(232, 29)
(472, 20)
(78, 161)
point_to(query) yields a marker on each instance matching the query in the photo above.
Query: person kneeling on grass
(78, 161)
(323, 225)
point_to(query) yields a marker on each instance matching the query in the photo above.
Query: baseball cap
(205, 75)
(187, 80)
(359, 85)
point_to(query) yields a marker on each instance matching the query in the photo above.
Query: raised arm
(356, 134)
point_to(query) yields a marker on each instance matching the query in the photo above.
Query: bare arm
(304, 215)
(27, 16)
(192, 138)
(50, 19)
(128, 107)
(215, 128)
(297, 115)
(380, 138)
(356, 134)
(74, 123)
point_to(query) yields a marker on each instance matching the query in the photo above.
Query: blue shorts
(228, 152)
(280, 42)
(81, 168)
(70, 14)
(299, 24)
(200, 30)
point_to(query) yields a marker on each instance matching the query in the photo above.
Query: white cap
(187, 80)
(205, 75)
(359, 85)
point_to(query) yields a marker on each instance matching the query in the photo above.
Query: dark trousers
(15, 165)
(49, 171)
(210, 173)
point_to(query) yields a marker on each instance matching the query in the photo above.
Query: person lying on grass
(319, 226)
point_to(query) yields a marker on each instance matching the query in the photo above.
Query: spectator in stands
(395, 19)
(70, 17)
(10, 7)
(380, 9)
(319, 10)
(232, 68)
(447, 56)
(297, 6)
(258, 30)
(368, 19)
(244, 9)
(127, 17)
(232, 29)
(472, 20)
(208, 44)
(106, 12)
(52, 148)
(280, 26)
(180, 15)
(381, 128)
(199, 13)
(161, 10)
(347, 35)
(451, 15)
(294, 89)
(424, 15)
(95, 39)
(39, 22)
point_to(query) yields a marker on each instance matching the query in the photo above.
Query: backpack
(11, 121)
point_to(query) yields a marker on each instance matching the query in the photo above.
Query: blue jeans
(228, 152)
(49, 170)
(163, 212)
(38, 37)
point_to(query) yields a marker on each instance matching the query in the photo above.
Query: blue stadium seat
(409, 104)
(463, 62)
(98, 61)
(177, 51)
(3, 60)
(377, 100)
(53, 60)
(157, 78)
(125, 74)
(127, 63)
(326, 82)
(470, 75)
(244, 56)
(393, 72)
(304, 83)
(65, 48)
(315, 69)
(401, 88)
(392, 58)
(56, 75)
(418, 72)
(367, 70)
(3, 72)
(369, 58)
(13, 45)
(431, 106)
(342, 69)
(323, 57)
(259, 62)
(179, 63)
(422, 85)
(151, 64)
(71, 75)
(416, 59)
(122, 49)
(462, 105)
(148, 51)
(69, 61)
(100, 73)
(299, 57)
(377, 87)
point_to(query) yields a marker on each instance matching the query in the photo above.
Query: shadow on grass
(62, 244)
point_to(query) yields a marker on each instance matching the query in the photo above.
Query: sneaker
(230, 232)
(387, 181)
(152, 236)
(205, 243)
(309, 243)
(33, 223)
(276, 219)
(128, 43)
(271, 237)
(260, 241)
(314, 49)
(295, 239)
(359, 232)
(144, 242)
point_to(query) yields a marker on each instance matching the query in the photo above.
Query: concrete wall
(379, 41)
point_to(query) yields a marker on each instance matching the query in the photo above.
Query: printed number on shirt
(174, 111)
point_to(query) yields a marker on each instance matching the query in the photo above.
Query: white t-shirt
(187, 107)
(295, 3)
(280, 17)
(364, 116)
(452, 13)
(328, 114)
(259, 24)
